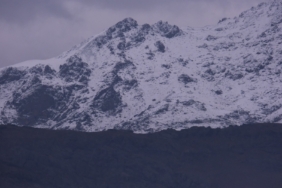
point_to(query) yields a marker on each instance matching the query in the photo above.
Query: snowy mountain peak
(271, 9)
(167, 30)
(123, 26)
(153, 77)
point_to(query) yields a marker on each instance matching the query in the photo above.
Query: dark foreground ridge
(249, 156)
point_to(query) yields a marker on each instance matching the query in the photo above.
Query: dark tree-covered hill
(249, 156)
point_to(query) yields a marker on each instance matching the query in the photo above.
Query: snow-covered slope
(153, 77)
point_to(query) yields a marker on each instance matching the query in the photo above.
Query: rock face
(152, 77)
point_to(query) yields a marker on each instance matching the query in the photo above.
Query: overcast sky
(41, 29)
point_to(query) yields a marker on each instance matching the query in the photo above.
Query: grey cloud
(26, 10)
(38, 29)
(149, 4)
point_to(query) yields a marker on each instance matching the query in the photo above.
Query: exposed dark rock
(48, 70)
(36, 70)
(184, 78)
(36, 103)
(163, 109)
(121, 46)
(126, 25)
(224, 46)
(222, 20)
(112, 79)
(196, 121)
(35, 81)
(107, 100)
(256, 68)
(219, 29)
(146, 28)
(269, 110)
(160, 46)
(35, 107)
(129, 84)
(11, 74)
(151, 55)
(197, 104)
(208, 75)
(233, 76)
(184, 62)
(166, 66)
(75, 70)
(118, 30)
(210, 72)
(188, 103)
(218, 92)
(175, 31)
(167, 30)
(237, 114)
(100, 41)
(122, 65)
(203, 46)
(211, 38)
(262, 35)
(138, 39)
(111, 48)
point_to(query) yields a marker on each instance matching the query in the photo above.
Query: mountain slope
(153, 77)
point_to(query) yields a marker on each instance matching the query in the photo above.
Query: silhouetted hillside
(249, 156)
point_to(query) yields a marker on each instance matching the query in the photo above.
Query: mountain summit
(148, 78)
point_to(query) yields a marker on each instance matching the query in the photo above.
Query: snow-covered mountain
(153, 77)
